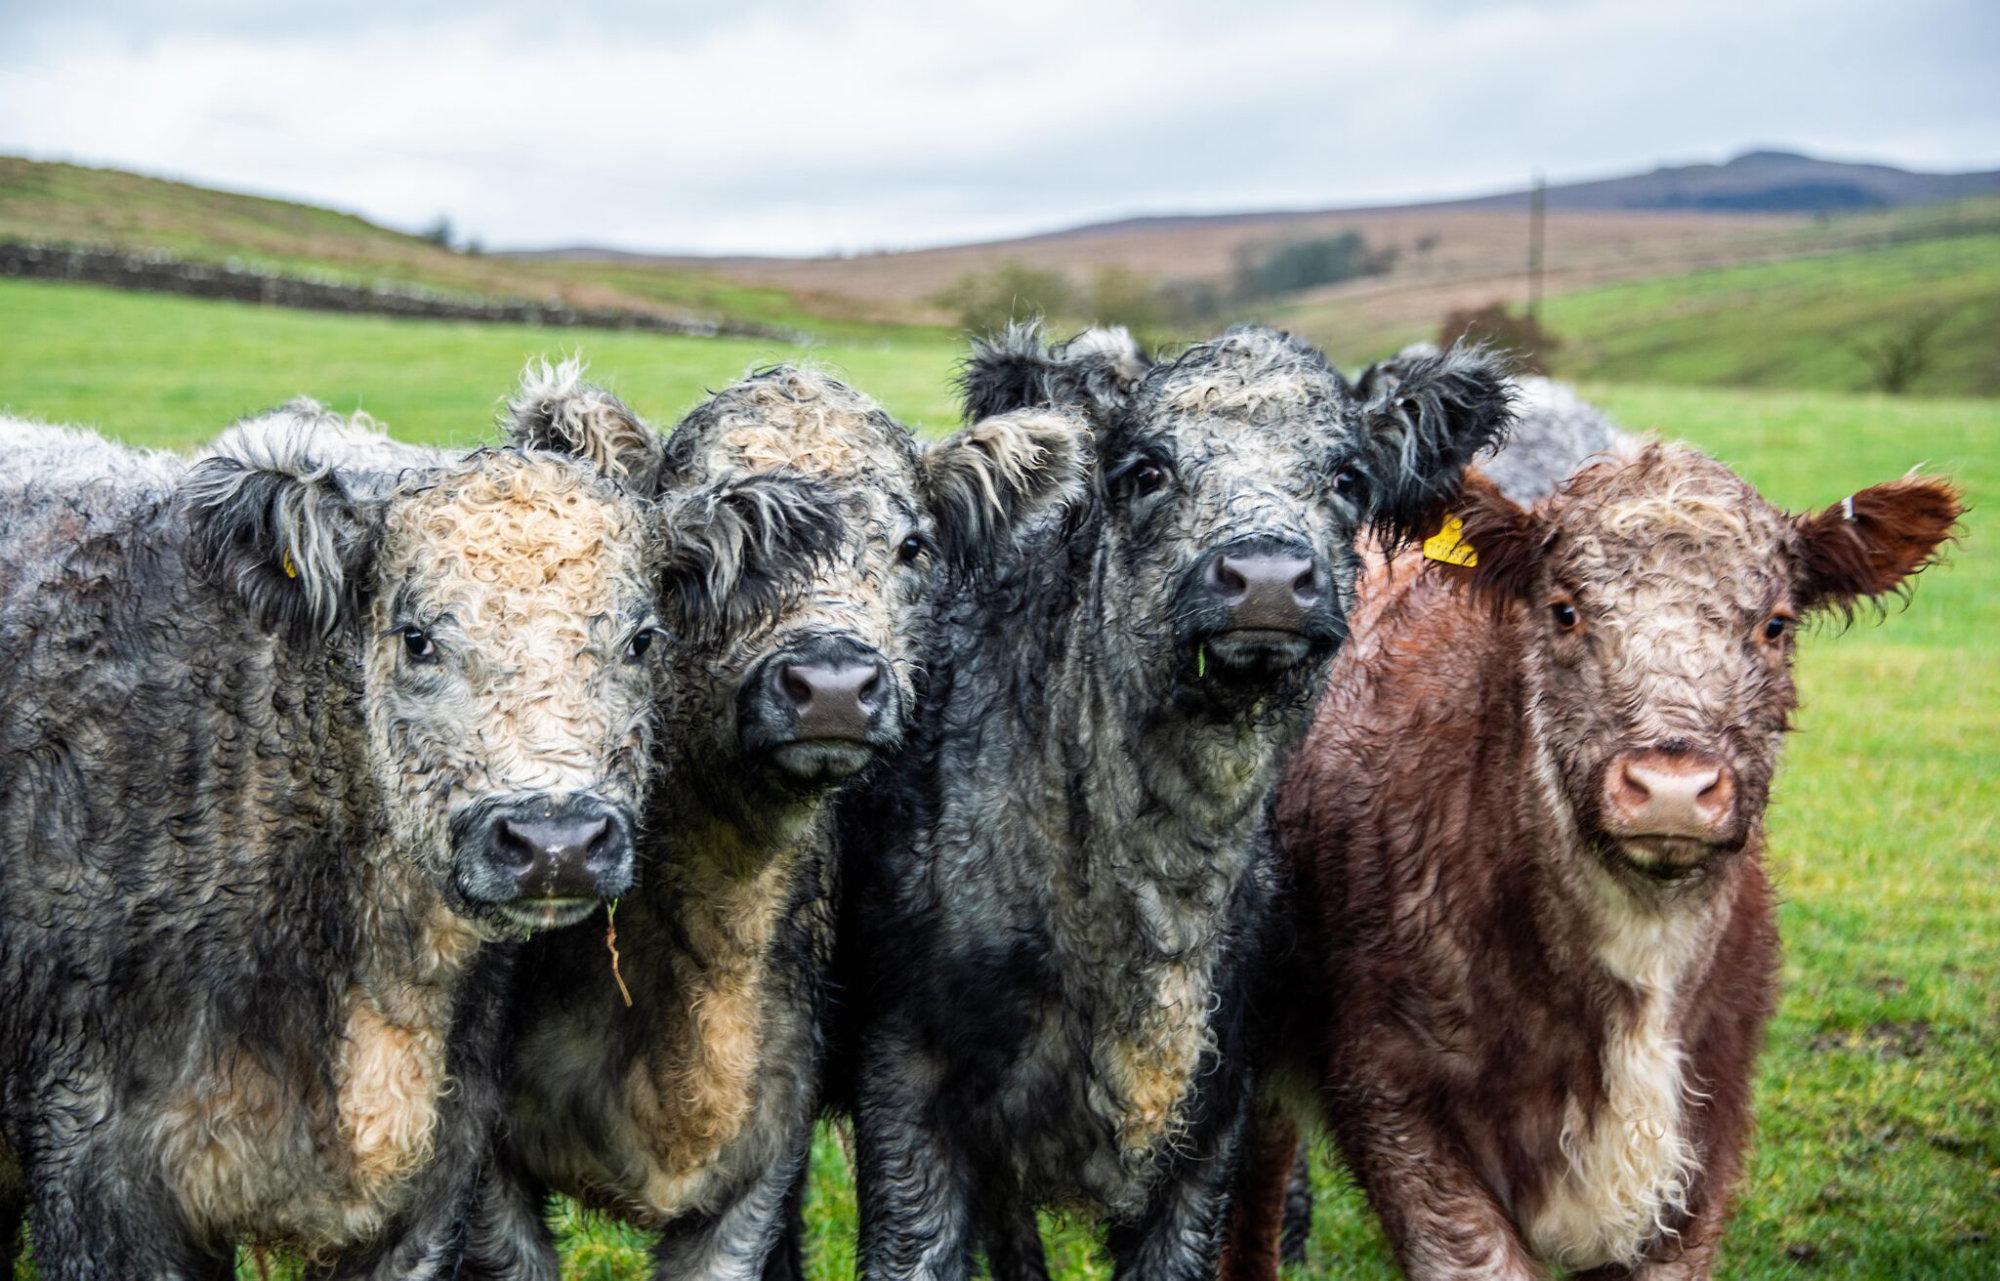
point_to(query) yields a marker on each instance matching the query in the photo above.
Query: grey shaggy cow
(689, 1110)
(1061, 892)
(289, 764)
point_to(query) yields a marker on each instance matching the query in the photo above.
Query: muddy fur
(690, 1112)
(1061, 890)
(250, 963)
(1533, 1035)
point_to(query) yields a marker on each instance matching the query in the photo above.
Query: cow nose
(1660, 794)
(563, 854)
(1266, 590)
(834, 698)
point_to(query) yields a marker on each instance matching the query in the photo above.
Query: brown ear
(1505, 538)
(1867, 545)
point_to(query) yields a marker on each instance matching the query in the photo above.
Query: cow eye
(1564, 614)
(1149, 478)
(910, 549)
(642, 640)
(417, 644)
(1347, 483)
(1775, 626)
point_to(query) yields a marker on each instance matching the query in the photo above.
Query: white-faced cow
(1526, 842)
(288, 765)
(684, 1101)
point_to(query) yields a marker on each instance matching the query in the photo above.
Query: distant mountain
(1761, 182)
(1764, 181)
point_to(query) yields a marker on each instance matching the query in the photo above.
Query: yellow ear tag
(1449, 545)
(291, 570)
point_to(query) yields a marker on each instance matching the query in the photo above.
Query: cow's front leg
(1180, 1236)
(1442, 1221)
(913, 1182)
(733, 1245)
(1012, 1237)
(89, 1223)
(509, 1235)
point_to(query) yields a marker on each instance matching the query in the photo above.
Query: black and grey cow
(290, 761)
(681, 1097)
(1060, 894)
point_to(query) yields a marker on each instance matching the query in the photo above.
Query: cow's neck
(409, 950)
(1154, 818)
(1627, 1159)
(704, 929)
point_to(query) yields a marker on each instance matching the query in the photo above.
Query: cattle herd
(1184, 758)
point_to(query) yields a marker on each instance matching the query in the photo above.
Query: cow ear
(1422, 428)
(1001, 473)
(554, 409)
(1095, 372)
(1500, 543)
(740, 546)
(281, 530)
(1868, 545)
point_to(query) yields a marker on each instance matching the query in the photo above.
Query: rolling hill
(1635, 292)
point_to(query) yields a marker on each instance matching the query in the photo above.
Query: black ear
(740, 546)
(556, 410)
(281, 530)
(1381, 376)
(1420, 431)
(1096, 372)
(1003, 472)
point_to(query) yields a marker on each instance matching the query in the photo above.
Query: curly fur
(1062, 890)
(690, 1113)
(1535, 1038)
(247, 970)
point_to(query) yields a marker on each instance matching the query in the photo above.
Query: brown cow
(1537, 951)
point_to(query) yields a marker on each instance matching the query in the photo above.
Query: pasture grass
(1803, 322)
(1878, 1152)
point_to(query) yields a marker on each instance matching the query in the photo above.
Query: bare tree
(1904, 355)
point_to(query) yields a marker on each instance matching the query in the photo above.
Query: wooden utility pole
(1537, 198)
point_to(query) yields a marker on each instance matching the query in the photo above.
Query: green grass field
(1797, 323)
(1879, 1145)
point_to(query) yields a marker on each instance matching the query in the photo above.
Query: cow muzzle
(1668, 811)
(1258, 607)
(543, 862)
(822, 710)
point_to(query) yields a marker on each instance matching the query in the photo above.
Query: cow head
(503, 618)
(1659, 599)
(800, 699)
(1234, 483)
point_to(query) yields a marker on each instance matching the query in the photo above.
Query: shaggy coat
(1525, 838)
(1061, 890)
(270, 746)
(689, 1109)
(1555, 431)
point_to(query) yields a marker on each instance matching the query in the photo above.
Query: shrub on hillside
(1904, 355)
(1522, 335)
(1304, 264)
(984, 302)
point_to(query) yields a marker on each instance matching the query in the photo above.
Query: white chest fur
(1628, 1162)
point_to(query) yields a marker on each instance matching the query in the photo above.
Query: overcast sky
(853, 124)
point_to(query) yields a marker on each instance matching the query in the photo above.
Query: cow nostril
(1631, 787)
(1229, 578)
(796, 685)
(513, 851)
(1308, 586)
(871, 689)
